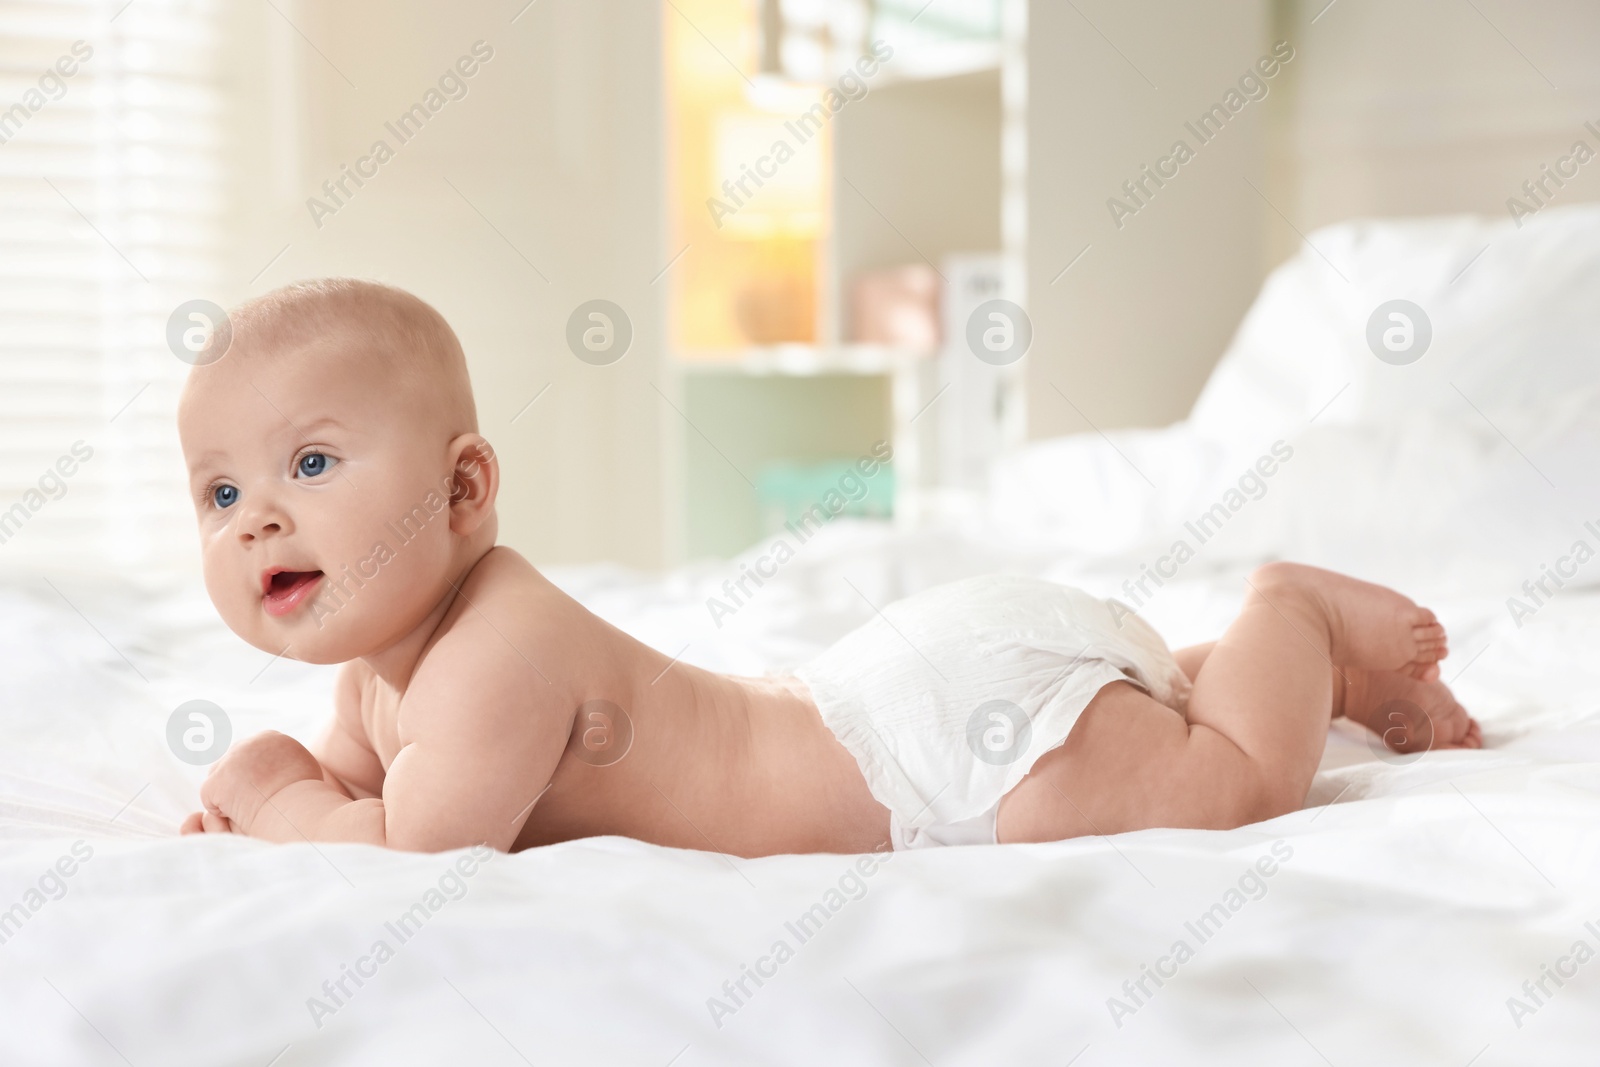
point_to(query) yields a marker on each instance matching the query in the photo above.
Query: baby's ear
(475, 483)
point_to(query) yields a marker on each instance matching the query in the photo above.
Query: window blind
(112, 199)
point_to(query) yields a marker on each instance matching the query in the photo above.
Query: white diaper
(948, 697)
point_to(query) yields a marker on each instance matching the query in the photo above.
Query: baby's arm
(343, 804)
(481, 733)
(344, 750)
(344, 756)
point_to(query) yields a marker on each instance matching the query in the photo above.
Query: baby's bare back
(566, 727)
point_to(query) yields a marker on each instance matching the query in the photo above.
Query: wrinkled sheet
(1406, 905)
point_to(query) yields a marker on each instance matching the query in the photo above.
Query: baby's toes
(1462, 731)
(1453, 727)
(1432, 643)
(1431, 637)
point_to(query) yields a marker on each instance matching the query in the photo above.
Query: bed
(1441, 908)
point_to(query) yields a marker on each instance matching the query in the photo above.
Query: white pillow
(1469, 469)
(1515, 316)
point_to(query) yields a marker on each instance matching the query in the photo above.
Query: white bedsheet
(1410, 910)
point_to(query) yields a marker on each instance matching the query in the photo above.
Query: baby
(346, 504)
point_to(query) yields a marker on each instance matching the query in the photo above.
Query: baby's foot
(1409, 714)
(1370, 627)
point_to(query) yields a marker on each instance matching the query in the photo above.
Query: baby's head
(337, 470)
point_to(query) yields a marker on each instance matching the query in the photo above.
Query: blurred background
(783, 309)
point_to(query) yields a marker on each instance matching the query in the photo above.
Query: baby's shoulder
(506, 613)
(505, 589)
(501, 571)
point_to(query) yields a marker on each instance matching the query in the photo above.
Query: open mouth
(283, 591)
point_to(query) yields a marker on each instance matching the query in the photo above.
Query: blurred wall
(1405, 107)
(1127, 334)
(542, 188)
(1431, 106)
(537, 190)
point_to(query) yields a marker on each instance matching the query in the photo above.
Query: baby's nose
(264, 530)
(261, 519)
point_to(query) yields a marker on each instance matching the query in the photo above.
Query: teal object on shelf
(788, 491)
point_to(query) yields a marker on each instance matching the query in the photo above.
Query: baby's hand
(244, 780)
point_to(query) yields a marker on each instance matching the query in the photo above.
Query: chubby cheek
(381, 593)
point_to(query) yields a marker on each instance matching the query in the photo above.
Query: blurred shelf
(947, 60)
(802, 360)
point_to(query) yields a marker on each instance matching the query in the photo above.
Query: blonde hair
(412, 341)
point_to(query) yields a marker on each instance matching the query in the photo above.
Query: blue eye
(313, 464)
(225, 496)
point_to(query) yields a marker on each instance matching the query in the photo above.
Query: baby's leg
(1191, 659)
(1411, 714)
(1257, 717)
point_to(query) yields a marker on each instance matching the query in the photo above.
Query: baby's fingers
(192, 825)
(214, 822)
